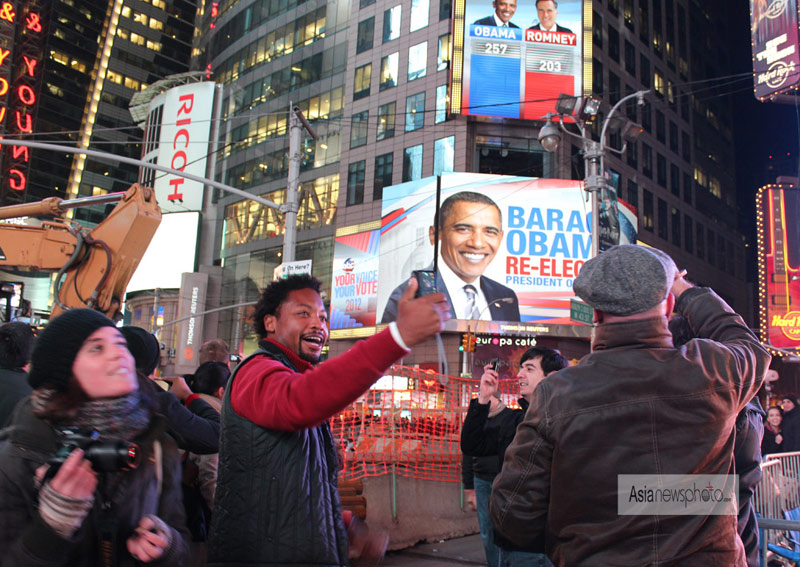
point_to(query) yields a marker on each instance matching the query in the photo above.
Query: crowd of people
(102, 464)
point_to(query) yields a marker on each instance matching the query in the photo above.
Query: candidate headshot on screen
(548, 12)
(503, 12)
(470, 233)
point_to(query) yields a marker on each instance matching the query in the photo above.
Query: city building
(373, 76)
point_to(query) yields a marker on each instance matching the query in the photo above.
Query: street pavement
(458, 551)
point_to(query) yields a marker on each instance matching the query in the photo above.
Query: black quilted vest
(276, 501)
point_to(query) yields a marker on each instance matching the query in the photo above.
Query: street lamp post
(468, 356)
(582, 109)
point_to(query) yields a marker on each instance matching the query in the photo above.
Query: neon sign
(20, 78)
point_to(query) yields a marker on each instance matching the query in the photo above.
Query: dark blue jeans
(523, 559)
(483, 488)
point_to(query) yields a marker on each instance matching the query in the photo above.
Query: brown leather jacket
(635, 405)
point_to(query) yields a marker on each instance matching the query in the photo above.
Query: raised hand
(422, 318)
(488, 385)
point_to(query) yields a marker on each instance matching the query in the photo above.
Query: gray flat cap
(626, 280)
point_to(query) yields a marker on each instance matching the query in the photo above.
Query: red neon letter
(3, 86)
(17, 150)
(3, 54)
(175, 184)
(19, 183)
(30, 64)
(2, 113)
(182, 155)
(26, 95)
(186, 108)
(183, 132)
(28, 123)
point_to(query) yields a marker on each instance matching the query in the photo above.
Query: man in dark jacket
(477, 474)
(276, 501)
(481, 437)
(636, 410)
(790, 426)
(746, 454)
(16, 344)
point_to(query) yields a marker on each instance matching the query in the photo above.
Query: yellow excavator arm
(93, 266)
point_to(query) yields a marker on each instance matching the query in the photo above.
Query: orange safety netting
(409, 423)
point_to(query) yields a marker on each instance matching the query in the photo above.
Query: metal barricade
(767, 495)
(790, 479)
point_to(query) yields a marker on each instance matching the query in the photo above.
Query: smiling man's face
(470, 237)
(505, 9)
(301, 324)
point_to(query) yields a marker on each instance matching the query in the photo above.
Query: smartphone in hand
(426, 280)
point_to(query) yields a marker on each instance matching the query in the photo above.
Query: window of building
(355, 182)
(613, 7)
(613, 43)
(711, 248)
(661, 170)
(688, 234)
(417, 61)
(386, 120)
(632, 154)
(366, 31)
(701, 241)
(663, 223)
(687, 188)
(391, 23)
(614, 93)
(419, 14)
(415, 112)
(365, 3)
(597, 76)
(630, 58)
(443, 59)
(383, 175)
(647, 160)
(675, 180)
(389, 71)
(647, 210)
(644, 21)
(686, 147)
(661, 127)
(362, 81)
(658, 84)
(358, 129)
(644, 65)
(633, 193)
(445, 7)
(597, 29)
(441, 105)
(676, 227)
(627, 10)
(673, 136)
(412, 163)
(444, 155)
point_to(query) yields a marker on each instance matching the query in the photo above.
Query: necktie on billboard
(471, 309)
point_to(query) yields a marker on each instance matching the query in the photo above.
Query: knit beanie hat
(58, 345)
(626, 280)
(144, 347)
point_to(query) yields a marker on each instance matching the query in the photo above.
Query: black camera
(105, 456)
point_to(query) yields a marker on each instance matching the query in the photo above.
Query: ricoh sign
(184, 145)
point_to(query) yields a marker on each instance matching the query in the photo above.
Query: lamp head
(549, 136)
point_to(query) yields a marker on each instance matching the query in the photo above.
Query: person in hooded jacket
(60, 502)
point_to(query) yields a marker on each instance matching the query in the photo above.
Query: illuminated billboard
(779, 267)
(773, 34)
(518, 241)
(183, 144)
(513, 60)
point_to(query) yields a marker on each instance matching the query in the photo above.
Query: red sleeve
(271, 395)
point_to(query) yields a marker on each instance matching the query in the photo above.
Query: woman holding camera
(87, 475)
